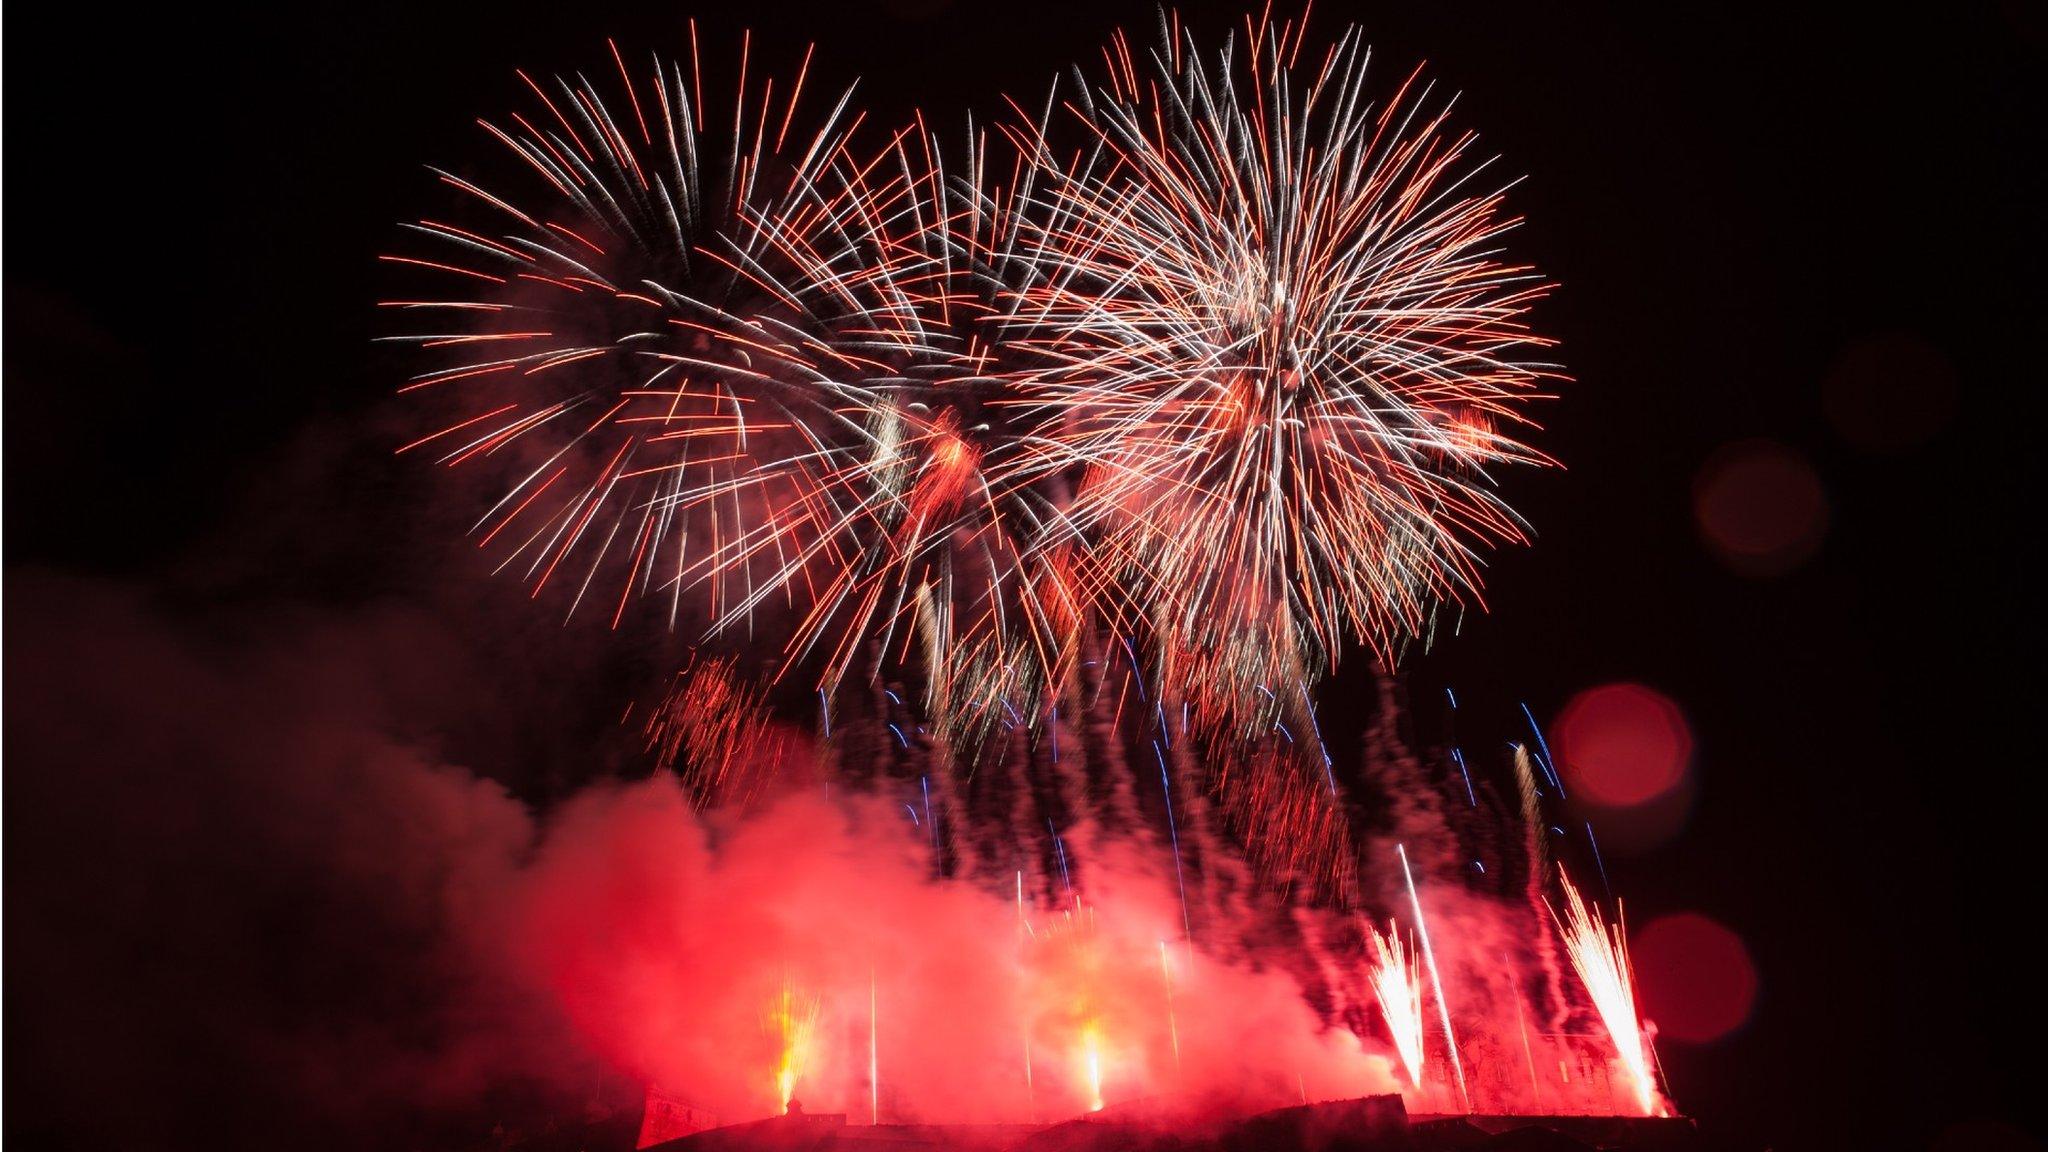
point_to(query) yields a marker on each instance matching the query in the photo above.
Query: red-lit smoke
(665, 936)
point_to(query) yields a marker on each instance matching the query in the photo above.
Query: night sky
(1744, 209)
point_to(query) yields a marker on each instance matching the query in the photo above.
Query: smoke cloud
(261, 901)
(257, 904)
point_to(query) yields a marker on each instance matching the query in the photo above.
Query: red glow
(1760, 508)
(1623, 744)
(1698, 983)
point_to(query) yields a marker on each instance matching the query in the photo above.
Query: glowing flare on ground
(1398, 983)
(1599, 953)
(793, 1025)
(1091, 1059)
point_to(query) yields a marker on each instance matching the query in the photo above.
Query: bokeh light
(1695, 976)
(1760, 507)
(1622, 745)
(1889, 392)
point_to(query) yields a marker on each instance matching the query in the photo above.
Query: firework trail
(1172, 1023)
(1281, 352)
(1535, 850)
(1436, 980)
(1599, 954)
(713, 730)
(1398, 983)
(1273, 794)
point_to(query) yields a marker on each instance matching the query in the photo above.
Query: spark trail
(1436, 980)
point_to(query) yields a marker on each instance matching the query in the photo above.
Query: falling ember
(874, 1060)
(711, 728)
(1528, 1053)
(1024, 932)
(1172, 1025)
(1030, 1085)
(1398, 984)
(792, 1022)
(1443, 1009)
(1599, 953)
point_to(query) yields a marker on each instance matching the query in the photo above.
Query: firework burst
(740, 370)
(1278, 347)
(602, 331)
(916, 546)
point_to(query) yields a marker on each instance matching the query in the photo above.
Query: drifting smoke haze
(311, 923)
(262, 907)
(263, 903)
(254, 905)
(666, 938)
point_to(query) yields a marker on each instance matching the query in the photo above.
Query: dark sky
(1739, 204)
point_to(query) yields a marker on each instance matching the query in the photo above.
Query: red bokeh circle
(1889, 392)
(1760, 507)
(1694, 975)
(1623, 744)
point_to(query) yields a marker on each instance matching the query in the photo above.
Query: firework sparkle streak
(711, 729)
(1436, 980)
(1398, 985)
(792, 1024)
(1522, 1027)
(1172, 1024)
(874, 1053)
(1599, 953)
